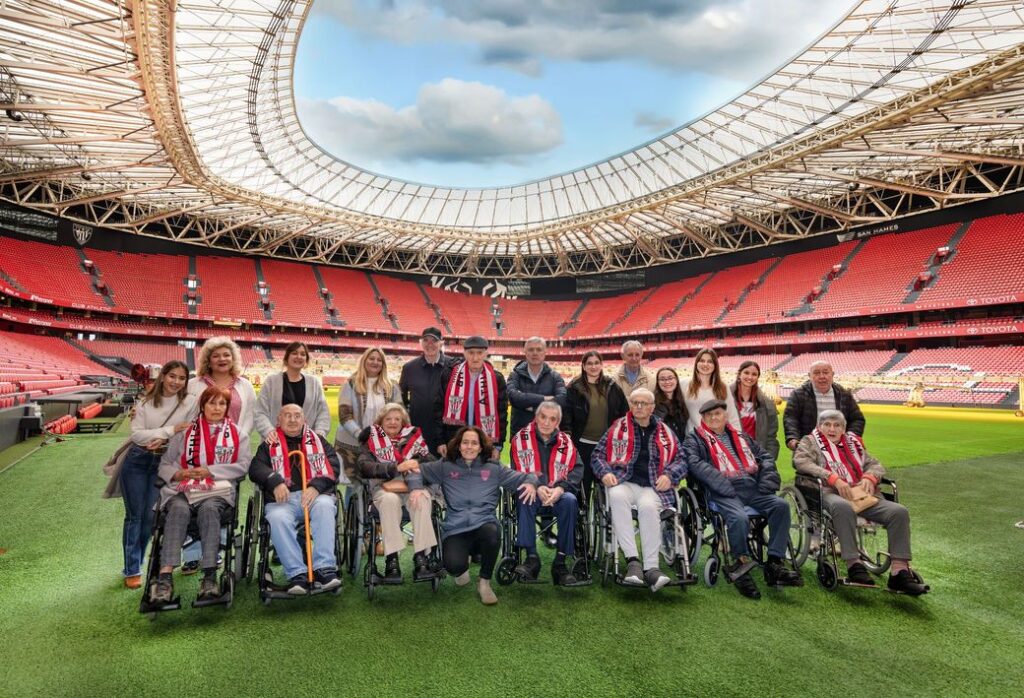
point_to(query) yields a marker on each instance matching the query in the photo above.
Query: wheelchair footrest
(150, 607)
(221, 600)
(741, 570)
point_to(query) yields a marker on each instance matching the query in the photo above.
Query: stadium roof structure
(178, 119)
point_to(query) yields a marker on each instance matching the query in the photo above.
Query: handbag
(112, 468)
(396, 486)
(862, 500)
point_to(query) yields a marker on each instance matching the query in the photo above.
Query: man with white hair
(815, 396)
(541, 449)
(279, 475)
(631, 375)
(532, 382)
(640, 462)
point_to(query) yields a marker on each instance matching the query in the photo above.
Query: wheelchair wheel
(506, 571)
(800, 526)
(581, 568)
(827, 575)
(873, 541)
(712, 567)
(250, 537)
(353, 535)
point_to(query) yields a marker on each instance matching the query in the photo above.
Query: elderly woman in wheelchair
(844, 483)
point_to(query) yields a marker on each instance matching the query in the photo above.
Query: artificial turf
(68, 628)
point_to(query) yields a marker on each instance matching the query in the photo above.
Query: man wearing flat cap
(422, 385)
(476, 396)
(738, 474)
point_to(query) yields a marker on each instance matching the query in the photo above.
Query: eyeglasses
(638, 403)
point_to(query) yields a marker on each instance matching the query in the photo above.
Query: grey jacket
(350, 414)
(268, 405)
(225, 473)
(470, 491)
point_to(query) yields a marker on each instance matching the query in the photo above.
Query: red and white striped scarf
(845, 459)
(457, 394)
(202, 451)
(526, 454)
(722, 458)
(410, 444)
(621, 444)
(317, 464)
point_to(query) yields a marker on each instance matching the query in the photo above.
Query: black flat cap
(712, 405)
(475, 342)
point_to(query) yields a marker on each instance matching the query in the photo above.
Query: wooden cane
(305, 513)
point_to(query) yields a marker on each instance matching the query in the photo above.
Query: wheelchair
(258, 556)
(813, 535)
(512, 555)
(717, 539)
(362, 536)
(682, 532)
(230, 542)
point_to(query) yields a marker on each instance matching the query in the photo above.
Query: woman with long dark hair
(669, 403)
(162, 413)
(594, 402)
(707, 384)
(759, 417)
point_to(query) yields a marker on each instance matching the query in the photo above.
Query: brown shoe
(133, 582)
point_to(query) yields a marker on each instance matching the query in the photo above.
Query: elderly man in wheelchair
(849, 479)
(739, 475)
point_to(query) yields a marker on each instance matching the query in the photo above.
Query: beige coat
(644, 380)
(808, 460)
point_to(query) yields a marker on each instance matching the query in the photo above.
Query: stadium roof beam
(887, 101)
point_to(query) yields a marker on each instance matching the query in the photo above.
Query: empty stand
(884, 271)
(722, 290)
(354, 299)
(150, 283)
(988, 261)
(466, 313)
(294, 293)
(407, 302)
(788, 284)
(137, 352)
(49, 271)
(843, 363)
(237, 300)
(525, 318)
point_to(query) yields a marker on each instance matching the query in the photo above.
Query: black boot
(907, 582)
(423, 571)
(527, 571)
(776, 574)
(857, 573)
(392, 572)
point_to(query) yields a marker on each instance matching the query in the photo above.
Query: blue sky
(496, 92)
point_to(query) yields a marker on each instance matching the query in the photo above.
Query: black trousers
(483, 541)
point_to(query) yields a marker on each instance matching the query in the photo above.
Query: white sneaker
(634, 574)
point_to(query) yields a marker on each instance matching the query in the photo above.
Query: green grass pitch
(68, 628)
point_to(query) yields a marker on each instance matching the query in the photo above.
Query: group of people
(440, 431)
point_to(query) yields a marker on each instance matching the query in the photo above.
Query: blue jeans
(566, 510)
(139, 491)
(284, 525)
(772, 507)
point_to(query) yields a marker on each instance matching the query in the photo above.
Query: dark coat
(524, 394)
(699, 465)
(422, 387)
(574, 416)
(801, 415)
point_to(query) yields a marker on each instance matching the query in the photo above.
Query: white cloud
(451, 121)
(653, 123)
(737, 39)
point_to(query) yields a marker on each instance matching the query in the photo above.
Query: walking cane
(305, 514)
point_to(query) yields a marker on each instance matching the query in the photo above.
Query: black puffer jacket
(801, 415)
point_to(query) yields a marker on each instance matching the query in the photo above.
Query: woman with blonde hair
(707, 384)
(360, 400)
(391, 448)
(219, 364)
